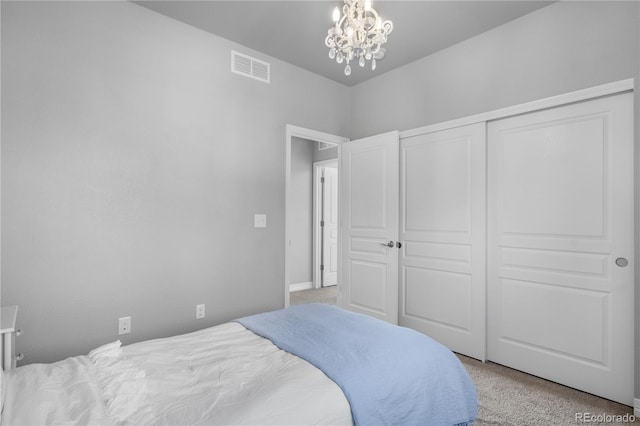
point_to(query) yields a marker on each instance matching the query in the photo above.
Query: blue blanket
(390, 375)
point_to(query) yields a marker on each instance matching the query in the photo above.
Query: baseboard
(300, 286)
(636, 407)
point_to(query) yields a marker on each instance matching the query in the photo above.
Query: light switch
(260, 221)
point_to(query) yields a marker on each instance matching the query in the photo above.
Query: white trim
(314, 135)
(553, 101)
(301, 286)
(308, 134)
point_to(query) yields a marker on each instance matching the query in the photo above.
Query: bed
(307, 364)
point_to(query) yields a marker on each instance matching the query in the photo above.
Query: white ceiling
(294, 31)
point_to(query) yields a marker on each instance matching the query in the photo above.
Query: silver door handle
(390, 244)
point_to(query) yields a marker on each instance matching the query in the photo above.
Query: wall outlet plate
(199, 311)
(260, 221)
(124, 325)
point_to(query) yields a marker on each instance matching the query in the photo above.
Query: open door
(369, 225)
(329, 225)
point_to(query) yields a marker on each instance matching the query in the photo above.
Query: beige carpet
(323, 295)
(510, 397)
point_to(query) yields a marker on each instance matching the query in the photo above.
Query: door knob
(390, 244)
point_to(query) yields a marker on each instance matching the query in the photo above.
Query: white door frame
(307, 134)
(317, 214)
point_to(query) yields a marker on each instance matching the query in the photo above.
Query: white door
(369, 225)
(560, 245)
(443, 232)
(330, 226)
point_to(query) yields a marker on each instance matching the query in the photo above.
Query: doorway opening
(311, 222)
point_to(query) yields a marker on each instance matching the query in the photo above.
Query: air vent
(250, 67)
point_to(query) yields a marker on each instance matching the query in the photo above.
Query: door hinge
(322, 179)
(322, 223)
(322, 267)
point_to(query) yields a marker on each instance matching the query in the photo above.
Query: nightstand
(8, 315)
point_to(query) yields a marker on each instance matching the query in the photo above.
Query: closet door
(560, 245)
(368, 278)
(443, 231)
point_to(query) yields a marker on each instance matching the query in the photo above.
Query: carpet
(510, 397)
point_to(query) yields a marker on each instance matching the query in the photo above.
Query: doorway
(310, 156)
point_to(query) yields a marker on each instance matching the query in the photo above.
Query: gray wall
(301, 220)
(560, 48)
(133, 162)
(563, 47)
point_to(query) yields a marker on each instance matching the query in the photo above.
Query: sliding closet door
(369, 224)
(560, 247)
(443, 231)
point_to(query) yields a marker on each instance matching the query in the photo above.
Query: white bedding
(220, 375)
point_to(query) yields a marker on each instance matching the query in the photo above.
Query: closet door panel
(553, 179)
(537, 314)
(437, 193)
(442, 226)
(447, 300)
(560, 214)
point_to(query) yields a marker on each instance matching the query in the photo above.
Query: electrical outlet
(259, 220)
(199, 311)
(124, 325)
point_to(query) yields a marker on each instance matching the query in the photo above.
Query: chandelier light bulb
(336, 15)
(358, 33)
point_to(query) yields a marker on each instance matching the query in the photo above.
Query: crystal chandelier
(357, 35)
